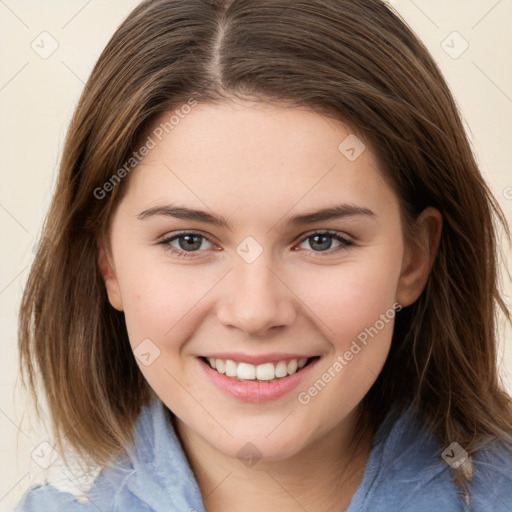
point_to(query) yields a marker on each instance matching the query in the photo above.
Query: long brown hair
(354, 61)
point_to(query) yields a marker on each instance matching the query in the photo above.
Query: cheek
(166, 303)
(355, 307)
(358, 320)
(352, 297)
(158, 296)
(161, 306)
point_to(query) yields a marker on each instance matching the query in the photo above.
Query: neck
(321, 478)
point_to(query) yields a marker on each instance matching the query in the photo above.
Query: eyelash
(344, 242)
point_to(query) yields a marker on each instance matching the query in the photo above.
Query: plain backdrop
(48, 50)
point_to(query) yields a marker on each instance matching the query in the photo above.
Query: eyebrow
(334, 212)
(181, 212)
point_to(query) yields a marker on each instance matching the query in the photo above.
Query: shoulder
(47, 498)
(107, 493)
(491, 485)
(65, 492)
(150, 474)
(407, 469)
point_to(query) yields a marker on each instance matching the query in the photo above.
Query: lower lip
(256, 391)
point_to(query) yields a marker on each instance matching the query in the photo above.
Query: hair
(353, 61)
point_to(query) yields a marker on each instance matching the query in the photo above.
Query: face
(258, 255)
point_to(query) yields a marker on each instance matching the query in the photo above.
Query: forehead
(244, 156)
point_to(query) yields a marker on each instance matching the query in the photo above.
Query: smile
(266, 372)
(263, 379)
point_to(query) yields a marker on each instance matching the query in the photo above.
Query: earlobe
(109, 277)
(420, 254)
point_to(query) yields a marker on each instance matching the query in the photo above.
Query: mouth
(266, 372)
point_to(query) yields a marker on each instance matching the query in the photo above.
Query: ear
(420, 253)
(107, 272)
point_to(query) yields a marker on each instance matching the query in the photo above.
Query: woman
(269, 276)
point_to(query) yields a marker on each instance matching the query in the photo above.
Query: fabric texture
(404, 472)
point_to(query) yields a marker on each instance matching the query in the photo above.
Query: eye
(185, 243)
(323, 241)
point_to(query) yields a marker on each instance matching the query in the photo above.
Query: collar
(160, 473)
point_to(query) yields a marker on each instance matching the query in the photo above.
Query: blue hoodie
(404, 472)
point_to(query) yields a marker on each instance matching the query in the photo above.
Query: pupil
(190, 242)
(322, 242)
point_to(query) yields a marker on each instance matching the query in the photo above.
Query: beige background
(38, 95)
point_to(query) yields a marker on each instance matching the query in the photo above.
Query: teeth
(281, 370)
(231, 368)
(264, 372)
(292, 366)
(220, 365)
(246, 371)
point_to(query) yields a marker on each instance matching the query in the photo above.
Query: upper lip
(257, 359)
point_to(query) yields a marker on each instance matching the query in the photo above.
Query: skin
(257, 165)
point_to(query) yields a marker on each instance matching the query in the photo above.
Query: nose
(255, 300)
